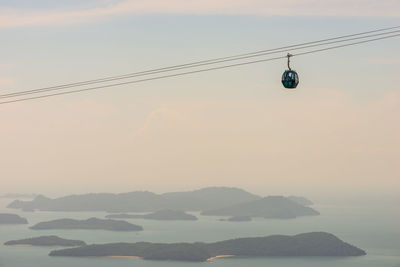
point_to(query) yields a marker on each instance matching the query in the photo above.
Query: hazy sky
(339, 132)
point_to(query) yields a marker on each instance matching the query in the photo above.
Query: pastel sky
(339, 132)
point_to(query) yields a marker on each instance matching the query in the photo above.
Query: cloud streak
(17, 18)
(384, 61)
(155, 117)
(6, 81)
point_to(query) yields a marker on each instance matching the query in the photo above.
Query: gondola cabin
(290, 78)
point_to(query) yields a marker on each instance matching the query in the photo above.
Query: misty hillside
(301, 200)
(46, 241)
(268, 207)
(6, 218)
(89, 224)
(141, 201)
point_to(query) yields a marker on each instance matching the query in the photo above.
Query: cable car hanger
(288, 60)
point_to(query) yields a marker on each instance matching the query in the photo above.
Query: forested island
(304, 245)
(273, 207)
(140, 201)
(89, 224)
(162, 215)
(209, 198)
(216, 201)
(7, 218)
(46, 241)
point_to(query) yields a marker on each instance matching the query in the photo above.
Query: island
(301, 200)
(211, 201)
(303, 245)
(89, 224)
(162, 215)
(46, 241)
(237, 219)
(272, 207)
(140, 201)
(7, 218)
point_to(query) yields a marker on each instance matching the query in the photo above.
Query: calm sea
(374, 229)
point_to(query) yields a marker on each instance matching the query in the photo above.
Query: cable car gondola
(290, 78)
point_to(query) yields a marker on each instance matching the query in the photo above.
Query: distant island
(302, 245)
(46, 241)
(237, 219)
(167, 215)
(273, 207)
(7, 218)
(89, 224)
(211, 201)
(140, 201)
(301, 200)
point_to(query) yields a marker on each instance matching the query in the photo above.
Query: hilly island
(304, 245)
(214, 201)
(89, 224)
(7, 218)
(46, 241)
(269, 207)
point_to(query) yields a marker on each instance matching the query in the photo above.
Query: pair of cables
(202, 66)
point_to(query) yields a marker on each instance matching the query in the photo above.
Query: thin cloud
(158, 115)
(385, 61)
(6, 81)
(16, 17)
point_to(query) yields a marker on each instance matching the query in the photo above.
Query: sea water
(374, 229)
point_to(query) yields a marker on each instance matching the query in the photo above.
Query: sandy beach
(219, 257)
